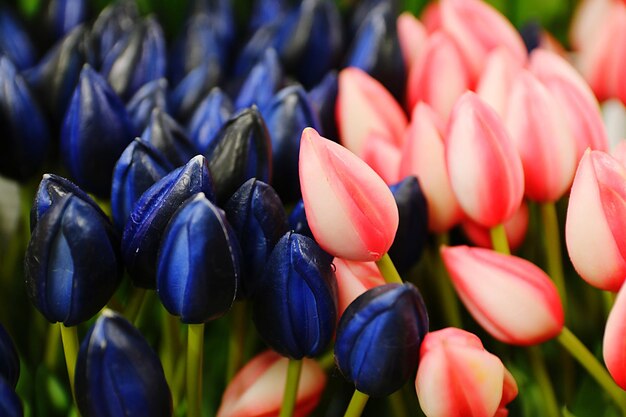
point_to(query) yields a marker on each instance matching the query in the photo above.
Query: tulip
(95, 132)
(496, 79)
(248, 396)
(431, 17)
(511, 298)
(588, 17)
(118, 373)
(223, 19)
(10, 405)
(198, 263)
(297, 220)
(361, 11)
(619, 152)
(613, 342)
(365, 107)
(241, 150)
(64, 15)
(264, 79)
(112, 24)
(613, 112)
(152, 95)
(254, 49)
(383, 156)
(166, 135)
(595, 221)
(323, 98)
(379, 337)
(266, 12)
(139, 167)
(484, 167)
(150, 215)
(259, 221)
(25, 135)
(192, 89)
(515, 229)
(353, 279)
(458, 377)
(14, 41)
(412, 37)
(9, 361)
(350, 209)
(295, 300)
(209, 117)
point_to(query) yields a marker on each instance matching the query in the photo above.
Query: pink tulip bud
(590, 15)
(431, 17)
(383, 156)
(537, 126)
(484, 167)
(412, 36)
(458, 377)
(515, 229)
(257, 389)
(438, 76)
(364, 107)
(423, 156)
(510, 297)
(496, 79)
(596, 221)
(353, 279)
(349, 208)
(614, 343)
(619, 152)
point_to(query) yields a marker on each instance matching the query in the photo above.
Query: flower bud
(263, 80)
(613, 342)
(297, 220)
(353, 279)
(515, 229)
(9, 361)
(64, 15)
(112, 24)
(14, 41)
(10, 404)
(412, 37)
(323, 98)
(192, 90)
(118, 373)
(383, 156)
(149, 97)
(254, 49)
(379, 337)
(265, 12)
(208, 118)
(496, 79)
(167, 136)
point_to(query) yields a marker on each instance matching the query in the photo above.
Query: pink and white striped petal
(353, 279)
(614, 343)
(590, 15)
(431, 17)
(515, 229)
(383, 156)
(619, 152)
(496, 79)
(412, 36)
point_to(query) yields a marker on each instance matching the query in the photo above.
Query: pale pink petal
(590, 15)
(515, 229)
(619, 152)
(614, 343)
(383, 156)
(431, 17)
(412, 36)
(496, 79)
(353, 279)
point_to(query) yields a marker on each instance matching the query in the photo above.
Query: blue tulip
(199, 262)
(212, 113)
(263, 81)
(9, 361)
(259, 220)
(531, 33)
(193, 89)
(412, 233)
(139, 167)
(152, 95)
(25, 136)
(379, 337)
(376, 50)
(286, 116)
(118, 374)
(138, 58)
(166, 135)
(241, 150)
(297, 220)
(10, 404)
(323, 98)
(222, 19)
(72, 264)
(112, 24)
(14, 40)
(255, 48)
(265, 12)
(64, 15)
(362, 9)
(295, 301)
(95, 132)
(150, 215)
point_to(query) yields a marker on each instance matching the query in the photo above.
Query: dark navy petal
(193, 89)
(323, 98)
(64, 15)
(9, 361)
(10, 404)
(531, 33)
(14, 40)
(166, 135)
(255, 48)
(149, 97)
(265, 12)
(112, 24)
(262, 82)
(297, 220)
(212, 113)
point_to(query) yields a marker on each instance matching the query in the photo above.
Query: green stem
(499, 240)
(291, 387)
(195, 353)
(609, 299)
(541, 374)
(388, 270)
(580, 352)
(135, 301)
(70, 347)
(449, 300)
(237, 339)
(552, 242)
(398, 407)
(357, 404)
(168, 345)
(52, 347)
(327, 361)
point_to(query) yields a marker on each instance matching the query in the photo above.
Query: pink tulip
(383, 156)
(515, 229)
(412, 36)
(496, 79)
(365, 107)
(349, 208)
(257, 389)
(614, 343)
(596, 221)
(619, 152)
(353, 279)
(538, 128)
(484, 167)
(431, 17)
(458, 377)
(438, 76)
(510, 297)
(590, 15)
(423, 156)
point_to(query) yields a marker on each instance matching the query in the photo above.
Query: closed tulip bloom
(192, 89)
(9, 361)
(588, 17)
(297, 220)
(258, 388)
(166, 135)
(350, 209)
(619, 152)
(264, 79)
(613, 343)
(515, 229)
(152, 95)
(383, 156)
(254, 49)
(496, 79)
(595, 221)
(150, 215)
(118, 374)
(511, 298)
(484, 166)
(209, 117)
(323, 98)
(14, 40)
(10, 404)
(458, 377)
(112, 24)
(64, 15)
(379, 337)
(265, 12)
(295, 300)
(412, 37)
(353, 279)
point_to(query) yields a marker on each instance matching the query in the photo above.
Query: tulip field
(325, 208)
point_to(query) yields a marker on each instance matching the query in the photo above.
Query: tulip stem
(195, 353)
(541, 374)
(357, 404)
(552, 241)
(237, 339)
(52, 347)
(388, 270)
(499, 240)
(449, 300)
(327, 361)
(580, 352)
(70, 348)
(291, 387)
(135, 301)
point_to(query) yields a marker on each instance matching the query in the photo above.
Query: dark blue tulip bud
(286, 116)
(152, 95)
(72, 265)
(376, 50)
(9, 361)
(139, 167)
(412, 232)
(118, 374)
(241, 150)
(145, 226)
(212, 113)
(264, 80)
(362, 10)
(199, 262)
(25, 137)
(10, 404)
(64, 15)
(112, 24)
(265, 12)
(297, 220)
(193, 89)
(259, 220)
(379, 337)
(14, 40)
(222, 19)
(255, 48)
(166, 135)
(295, 301)
(95, 132)
(531, 33)
(323, 98)
(138, 58)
